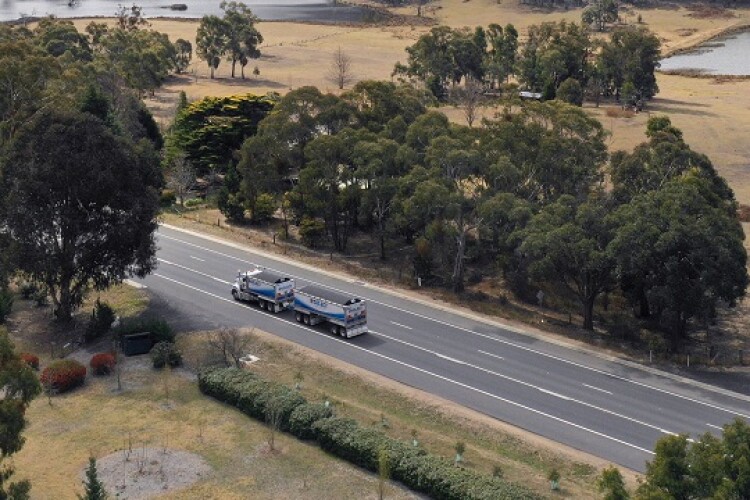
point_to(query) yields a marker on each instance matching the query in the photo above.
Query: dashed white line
(448, 358)
(490, 354)
(715, 427)
(532, 386)
(492, 338)
(197, 258)
(416, 368)
(400, 325)
(597, 389)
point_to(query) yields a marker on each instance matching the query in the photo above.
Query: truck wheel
(272, 307)
(307, 319)
(342, 332)
(298, 317)
(262, 304)
(235, 295)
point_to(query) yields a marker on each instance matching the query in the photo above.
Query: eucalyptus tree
(212, 41)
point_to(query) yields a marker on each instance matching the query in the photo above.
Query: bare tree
(230, 344)
(340, 72)
(180, 177)
(471, 98)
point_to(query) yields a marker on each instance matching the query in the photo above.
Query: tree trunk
(458, 264)
(644, 309)
(588, 313)
(242, 71)
(64, 309)
(212, 71)
(234, 62)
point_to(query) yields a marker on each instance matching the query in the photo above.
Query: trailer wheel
(298, 317)
(307, 319)
(342, 332)
(235, 295)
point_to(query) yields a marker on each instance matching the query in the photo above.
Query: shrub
(165, 353)
(159, 329)
(311, 231)
(30, 359)
(304, 416)
(63, 375)
(28, 290)
(193, 202)
(101, 321)
(265, 207)
(102, 363)
(6, 304)
(167, 198)
(250, 394)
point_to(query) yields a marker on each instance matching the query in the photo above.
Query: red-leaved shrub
(63, 375)
(30, 359)
(102, 363)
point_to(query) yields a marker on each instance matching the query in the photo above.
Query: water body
(729, 55)
(283, 10)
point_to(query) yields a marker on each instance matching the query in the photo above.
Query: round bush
(30, 359)
(165, 353)
(304, 416)
(102, 363)
(64, 375)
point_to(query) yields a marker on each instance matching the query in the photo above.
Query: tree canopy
(80, 204)
(18, 386)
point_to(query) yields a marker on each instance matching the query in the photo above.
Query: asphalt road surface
(605, 408)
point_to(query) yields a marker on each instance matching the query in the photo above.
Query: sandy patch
(148, 472)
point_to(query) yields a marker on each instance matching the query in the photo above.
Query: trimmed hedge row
(304, 416)
(436, 476)
(249, 393)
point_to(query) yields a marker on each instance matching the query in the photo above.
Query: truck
(272, 292)
(346, 314)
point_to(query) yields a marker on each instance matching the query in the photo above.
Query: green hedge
(249, 393)
(436, 476)
(304, 416)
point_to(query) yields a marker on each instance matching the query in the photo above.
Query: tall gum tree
(80, 205)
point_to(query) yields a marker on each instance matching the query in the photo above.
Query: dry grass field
(713, 113)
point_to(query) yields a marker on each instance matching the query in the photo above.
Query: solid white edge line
(715, 427)
(169, 263)
(416, 368)
(492, 338)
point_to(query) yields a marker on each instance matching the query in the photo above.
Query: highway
(602, 407)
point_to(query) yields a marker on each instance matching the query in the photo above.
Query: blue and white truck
(346, 314)
(271, 291)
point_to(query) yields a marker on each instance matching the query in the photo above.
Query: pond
(728, 55)
(283, 10)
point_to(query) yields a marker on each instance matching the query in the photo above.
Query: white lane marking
(490, 354)
(490, 337)
(134, 284)
(597, 389)
(448, 358)
(196, 258)
(715, 427)
(532, 386)
(416, 368)
(556, 394)
(400, 325)
(169, 263)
